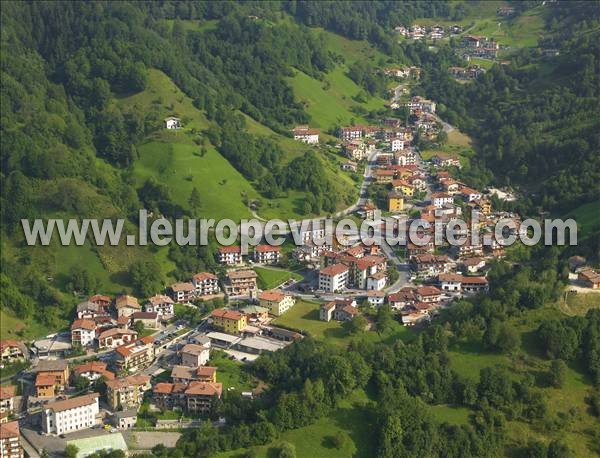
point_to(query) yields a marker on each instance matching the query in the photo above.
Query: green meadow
(269, 277)
(181, 168)
(304, 316)
(352, 421)
(587, 217)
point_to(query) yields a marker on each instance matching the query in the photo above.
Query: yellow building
(276, 301)
(230, 321)
(404, 187)
(485, 206)
(395, 201)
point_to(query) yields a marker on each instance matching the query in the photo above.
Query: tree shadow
(359, 421)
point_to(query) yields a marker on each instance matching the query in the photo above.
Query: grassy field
(353, 421)
(163, 97)
(232, 374)
(269, 278)
(351, 50)
(468, 361)
(304, 316)
(579, 304)
(173, 158)
(329, 102)
(587, 217)
(70, 256)
(459, 144)
(179, 166)
(522, 31)
(12, 327)
(325, 109)
(450, 414)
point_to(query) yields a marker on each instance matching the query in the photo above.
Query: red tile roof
(9, 430)
(132, 380)
(230, 249)
(160, 299)
(94, 366)
(206, 371)
(450, 277)
(227, 314)
(88, 325)
(112, 332)
(205, 389)
(241, 274)
(144, 316)
(45, 379)
(267, 248)
(475, 280)
(7, 391)
(182, 287)
(334, 269)
(428, 291)
(9, 343)
(202, 276)
(272, 296)
(127, 301)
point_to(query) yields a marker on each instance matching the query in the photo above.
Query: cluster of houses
(479, 46)
(359, 267)
(468, 73)
(193, 387)
(445, 160)
(359, 142)
(433, 32)
(239, 282)
(412, 303)
(306, 135)
(102, 323)
(403, 182)
(403, 72)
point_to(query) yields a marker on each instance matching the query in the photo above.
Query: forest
(68, 149)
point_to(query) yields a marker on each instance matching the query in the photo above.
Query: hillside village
(128, 363)
(122, 353)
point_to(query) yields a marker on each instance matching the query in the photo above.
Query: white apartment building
(310, 235)
(161, 304)
(230, 255)
(71, 414)
(450, 282)
(351, 133)
(376, 298)
(376, 282)
(333, 278)
(83, 332)
(439, 199)
(10, 440)
(267, 254)
(396, 144)
(306, 135)
(206, 284)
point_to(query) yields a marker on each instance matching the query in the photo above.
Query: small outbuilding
(172, 123)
